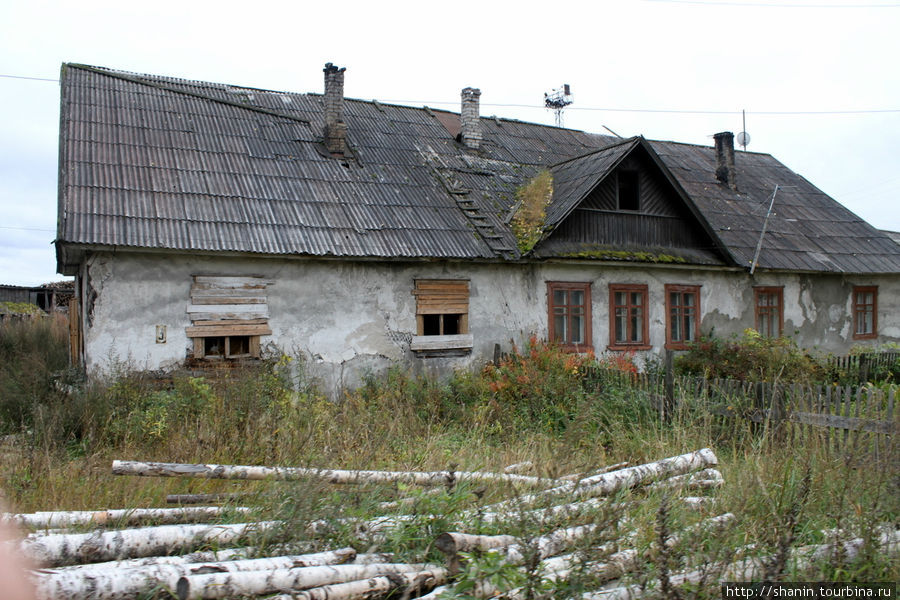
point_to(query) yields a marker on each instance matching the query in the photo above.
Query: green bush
(751, 357)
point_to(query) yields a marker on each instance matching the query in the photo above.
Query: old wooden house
(210, 222)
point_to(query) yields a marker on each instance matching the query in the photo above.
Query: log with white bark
(751, 569)
(339, 476)
(607, 469)
(605, 484)
(402, 585)
(122, 584)
(123, 516)
(65, 549)
(452, 542)
(204, 498)
(518, 467)
(257, 583)
(701, 480)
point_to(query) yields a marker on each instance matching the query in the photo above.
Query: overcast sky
(819, 79)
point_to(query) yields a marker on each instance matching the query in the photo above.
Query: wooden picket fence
(865, 367)
(841, 417)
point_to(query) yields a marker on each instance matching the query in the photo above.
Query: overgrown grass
(536, 405)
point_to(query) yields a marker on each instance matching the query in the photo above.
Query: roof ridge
(139, 79)
(624, 141)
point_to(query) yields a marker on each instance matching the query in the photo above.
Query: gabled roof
(151, 162)
(574, 179)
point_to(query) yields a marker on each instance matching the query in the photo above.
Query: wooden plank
(202, 291)
(442, 310)
(201, 300)
(441, 342)
(225, 281)
(199, 351)
(236, 316)
(838, 422)
(230, 322)
(230, 308)
(223, 330)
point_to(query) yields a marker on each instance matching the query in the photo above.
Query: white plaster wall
(353, 318)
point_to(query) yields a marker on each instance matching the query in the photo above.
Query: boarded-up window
(442, 315)
(228, 316)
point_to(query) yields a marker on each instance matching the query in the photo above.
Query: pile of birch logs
(170, 559)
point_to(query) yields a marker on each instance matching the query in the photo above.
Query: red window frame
(635, 314)
(867, 308)
(682, 315)
(765, 310)
(569, 312)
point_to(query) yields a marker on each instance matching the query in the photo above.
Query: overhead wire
(608, 109)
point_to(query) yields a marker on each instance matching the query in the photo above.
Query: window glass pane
(578, 297)
(577, 330)
(621, 324)
(688, 326)
(637, 331)
(559, 328)
(637, 298)
(560, 297)
(676, 324)
(688, 299)
(621, 299)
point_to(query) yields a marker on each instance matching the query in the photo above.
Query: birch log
(701, 480)
(124, 516)
(751, 569)
(122, 584)
(214, 471)
(403, 585)
(64, 549)
(607, 469)
(452, 543)
(605, 484)
(257, 583)
(204, 498)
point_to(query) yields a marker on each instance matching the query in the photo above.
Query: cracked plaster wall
(349, 319)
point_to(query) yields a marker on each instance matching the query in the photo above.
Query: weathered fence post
(863, 369)
(669, 401)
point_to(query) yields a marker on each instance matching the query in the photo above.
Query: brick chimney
(469, 118)
(725, 159)
(335, 128)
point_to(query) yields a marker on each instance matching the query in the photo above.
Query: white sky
(657, 55)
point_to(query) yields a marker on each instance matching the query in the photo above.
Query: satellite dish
(743, 138)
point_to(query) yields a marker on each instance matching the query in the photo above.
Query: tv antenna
(743, 138)
(556, 100)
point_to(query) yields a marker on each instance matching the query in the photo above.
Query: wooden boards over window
(228, 314)
(442, 315)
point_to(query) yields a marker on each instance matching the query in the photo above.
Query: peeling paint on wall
(349, 319)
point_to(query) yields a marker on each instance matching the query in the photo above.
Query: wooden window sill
(428, 343)
(627, 347)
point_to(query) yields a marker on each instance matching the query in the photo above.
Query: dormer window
(628, 190)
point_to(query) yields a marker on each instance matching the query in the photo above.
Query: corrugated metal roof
(159, 162)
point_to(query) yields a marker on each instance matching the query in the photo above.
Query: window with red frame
(865, 312)
(682, 315)
(769, 310)
(569, 306)
(628, 317)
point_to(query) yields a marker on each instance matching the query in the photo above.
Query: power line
(27, 228)
(774, 5)
(664, 110)
(607, 109)
(29, 78)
